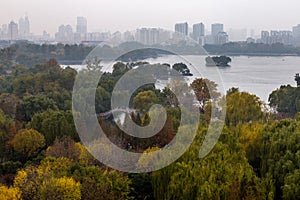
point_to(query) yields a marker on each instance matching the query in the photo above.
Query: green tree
(181, 68)
(286, 100)
(223, 174)
(280, 155)
(31, 105)
(109, 185)
(144, 100)
(291, 188)
(54, 124)
(243, 107)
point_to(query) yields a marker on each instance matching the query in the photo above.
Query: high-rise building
(148, 36)
(81, 26)
(273, 37)
(216, 28)
(164, 36)
(24, 27)
(287, 37)
(128, 36)
(182, 28)
(13, 31)
(65, 34)
(4, 32)
(45, 36)
(265, 37)
(296, 35)
(199, 33)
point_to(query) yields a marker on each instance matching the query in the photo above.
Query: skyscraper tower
(81, 27)
(12, 31)
(216, 28)
(24, 28)
(199, 32)
(182, 28)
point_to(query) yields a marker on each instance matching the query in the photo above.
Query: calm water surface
(256, 75)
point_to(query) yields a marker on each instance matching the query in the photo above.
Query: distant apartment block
(128, 36)
(182, 28)
(81, 26)
(13, 31)
(296, 35)
(147, 36)
(65, 34)
(199, 33)
(216, 28)
(273, 37)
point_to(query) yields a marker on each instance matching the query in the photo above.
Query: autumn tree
(9, 193)
(28, 142)
(205, 90)
(109, 185)
(60, 188)
(30, 181)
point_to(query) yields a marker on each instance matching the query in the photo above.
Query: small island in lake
(219, 61)
(182, 69)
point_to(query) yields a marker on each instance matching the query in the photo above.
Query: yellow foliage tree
(60, 188)
(31, 179)
(9, 193)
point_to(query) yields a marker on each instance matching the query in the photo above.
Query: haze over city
(119, 15)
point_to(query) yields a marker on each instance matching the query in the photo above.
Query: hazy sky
(112, 15)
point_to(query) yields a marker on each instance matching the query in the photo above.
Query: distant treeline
(255, 49)
(29, 54)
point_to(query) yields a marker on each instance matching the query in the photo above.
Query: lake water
(256, 75)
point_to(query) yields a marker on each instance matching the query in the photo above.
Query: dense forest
(256, 157)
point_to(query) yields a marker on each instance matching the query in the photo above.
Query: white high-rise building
(4, 32)
(148, 36)
(81, 26)
(128, 36)
(24, 28)
(182, 28)
(65, 34)
(296, 35)
(13, 31)
(199, 33)
(273, 37)
(216, 28)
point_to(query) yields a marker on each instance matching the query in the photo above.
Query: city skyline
(216, 35)
(111, 15)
